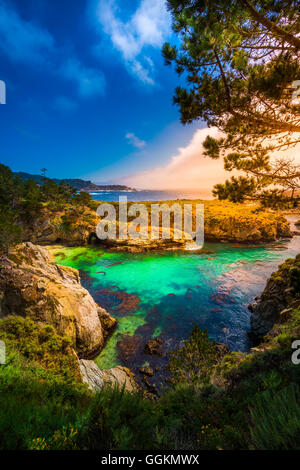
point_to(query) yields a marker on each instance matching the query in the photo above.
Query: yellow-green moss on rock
(32, 285)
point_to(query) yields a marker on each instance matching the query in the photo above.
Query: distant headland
(77, 183)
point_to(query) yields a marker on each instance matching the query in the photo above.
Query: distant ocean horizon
(152, 195)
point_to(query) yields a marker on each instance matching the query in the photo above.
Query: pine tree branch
(286, 36)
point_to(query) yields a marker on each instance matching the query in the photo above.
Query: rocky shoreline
(279, 298)
(32, 285)
(224, 222)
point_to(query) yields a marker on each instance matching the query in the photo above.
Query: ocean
(152, 195)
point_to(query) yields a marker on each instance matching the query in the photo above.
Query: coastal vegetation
(50, 213)
(168, 384)
(216, 399)
(240, 401)
(76, 183)
(22, 202)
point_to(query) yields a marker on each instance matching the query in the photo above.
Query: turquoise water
(165, 293)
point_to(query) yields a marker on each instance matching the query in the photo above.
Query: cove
(165, 293)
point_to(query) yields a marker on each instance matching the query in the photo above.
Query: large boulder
(96, 378)
(31, 284)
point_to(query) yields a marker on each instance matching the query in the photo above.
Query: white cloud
(23, 41)
(134, 140)
(187, 169)
(89, 81)
(148, 26)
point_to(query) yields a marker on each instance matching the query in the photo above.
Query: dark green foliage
(119, 420)
(241, 61)
(83, 198)
(66, 224)
(22, 202)
(193, 362)
(295, 278)
(276, 199)
(10, 232)
(35, 403)
(43, 406)
(275, 419)
(235, 190)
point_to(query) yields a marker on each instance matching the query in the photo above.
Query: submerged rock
(128, 347)
(147, 371)
(125, 302)
(154, 347)
(31, 284)
(96, 378)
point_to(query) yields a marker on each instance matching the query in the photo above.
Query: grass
(251, 401)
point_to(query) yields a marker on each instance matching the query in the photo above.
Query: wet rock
(128, 347)
(147, 371)
(108, 323)
(97, 378)
(118, 301)
(154, 347)
(152, 389)
(278, 295)
(31, 284)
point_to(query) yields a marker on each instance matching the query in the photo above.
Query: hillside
(77, 183)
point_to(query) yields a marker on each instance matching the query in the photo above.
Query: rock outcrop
(154, 347)
(31, 284)
(70, 226)
(280, 292)
(96, 378)
(251, 229)
(224, 221)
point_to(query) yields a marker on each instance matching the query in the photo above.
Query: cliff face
(248, 229)
(281, 295)
(224, 221)
(71, 226)
(32, 285)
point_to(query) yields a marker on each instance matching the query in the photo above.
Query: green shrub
(193, 362)
(40, 342)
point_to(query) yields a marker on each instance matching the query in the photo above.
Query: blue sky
(88, 94)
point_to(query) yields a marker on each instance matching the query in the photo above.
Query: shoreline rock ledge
(279, 298)
(31, 284)
(97, 378)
